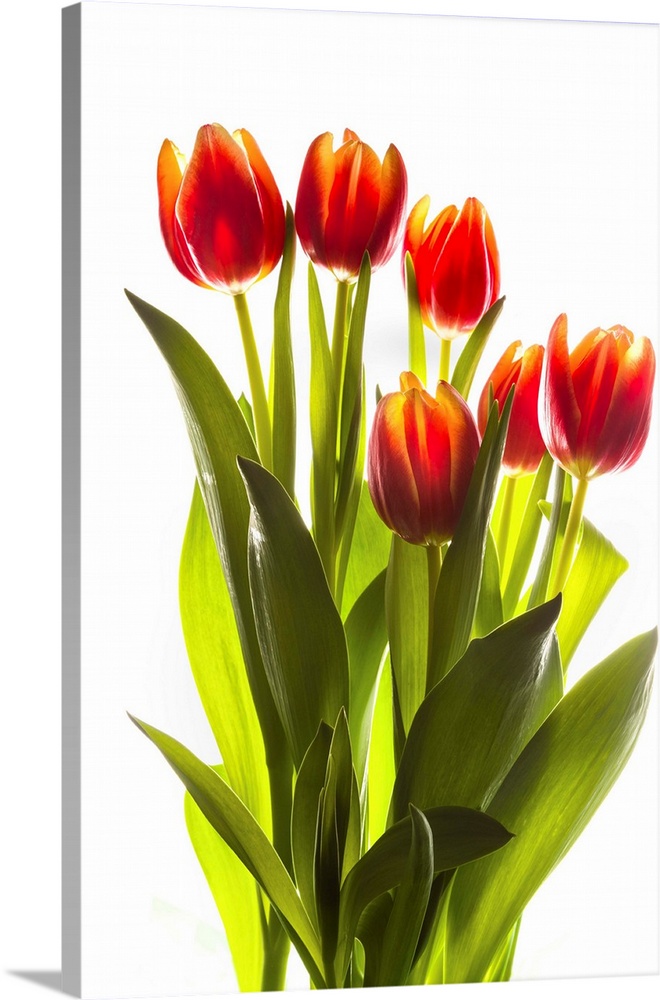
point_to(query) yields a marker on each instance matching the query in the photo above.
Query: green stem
(505, 519)
(260, 409)
(445, 359)
(434, 561)
(570, 537)
(276, 955)
(339, 336)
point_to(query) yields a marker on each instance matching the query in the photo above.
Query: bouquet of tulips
(402, 760)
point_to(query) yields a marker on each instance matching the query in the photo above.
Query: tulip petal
(559, 413)
(464, 438)
(627, 425)
(352, 208)
(316, 180)
(461, 285)
(593, 381)
(272, 209)
(171, 164)
(219, 211)
(503, 376)
(524, 447)
(391, 481)
(391, 207)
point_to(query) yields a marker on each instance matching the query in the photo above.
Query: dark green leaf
(309, 785)
(548, 797)
(416, 345)
(474, 723)
(301, 636)
(489, 614)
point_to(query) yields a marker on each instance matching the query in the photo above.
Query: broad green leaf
(218, 433)
(474, 723)
(369, 553)
(460, 576)
(309, 785)
(371, 932)
(407, 615)
(301, 636)
(323, 426)
(366, 637)
(241, 832)
(528, 533)
(459, 835)
(410, 903)
(216, 660)
(466, 366)
(501, 969)
(489, 614)
(284, 389)
(416, 344)
(597, 567)
(381, 770)
(547, 799)
(235, 892)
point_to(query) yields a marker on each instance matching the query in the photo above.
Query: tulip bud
(221, 214)
(595, 404)
(422, 453)
(457, 266)
(349, 203)
(524, 447)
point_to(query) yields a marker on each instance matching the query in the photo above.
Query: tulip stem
(570, 537)
(445, 359)
(434, 561)
(339, 335)
(505, 520)
(260, 409)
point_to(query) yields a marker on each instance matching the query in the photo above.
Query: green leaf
(460, 576)
(309, 785)
(416, 344)
(353, 504)
(369, 553)
(366, 637)
(597, 567)
(241, 832)
(284, 389)
(218, 433)
(466, 366)
(381, 772)
(530, 523)
(489, 614)
(548, 797)
(301, 636)
(459, 835)
(471, 727)
(235, 892)
(371, 932)
(407, 614)
(323, 426)
(246, 410)
(560, 507)
(410, 903)
(216, 659)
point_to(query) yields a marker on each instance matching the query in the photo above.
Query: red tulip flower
(524, 447)
(221, 214)
(457, 266)
(421, 458)
(348, 202)
(595, 404)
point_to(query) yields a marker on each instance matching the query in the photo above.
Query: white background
(559, 141)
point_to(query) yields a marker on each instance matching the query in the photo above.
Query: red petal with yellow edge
(627, 425)
(219, 212)
(352, 208)
(169, 176)
(464, 438)
(559, 413)
(272, 209)
(391, 208)
(311, 212)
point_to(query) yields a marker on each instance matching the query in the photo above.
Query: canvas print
(369, 474)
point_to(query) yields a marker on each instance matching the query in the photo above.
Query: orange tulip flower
(457, 265)
(349, 202)
(422, 453)
(221, 214)
(595, 404)
(524, 447)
